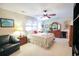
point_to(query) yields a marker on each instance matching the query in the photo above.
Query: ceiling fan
(45, 14)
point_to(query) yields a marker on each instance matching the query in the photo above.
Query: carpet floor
(59, 48)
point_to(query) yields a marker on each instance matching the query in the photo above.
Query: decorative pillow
(34, 32)
(13, 39)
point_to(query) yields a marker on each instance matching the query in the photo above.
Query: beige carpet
(59, 48)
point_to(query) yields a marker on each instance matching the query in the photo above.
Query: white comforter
(42, 39)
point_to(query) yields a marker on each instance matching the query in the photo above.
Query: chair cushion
(4, 39)
(8, 49)
(8, 46)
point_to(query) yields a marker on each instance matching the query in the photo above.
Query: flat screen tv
(4, 22)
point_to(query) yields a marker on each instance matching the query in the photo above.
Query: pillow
(13, 39)
(34, 32)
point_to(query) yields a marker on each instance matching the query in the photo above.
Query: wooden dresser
(57, 33)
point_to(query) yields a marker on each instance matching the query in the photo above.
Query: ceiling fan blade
(52, 14)
(48, 16)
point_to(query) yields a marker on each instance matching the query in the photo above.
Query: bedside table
(23, 40)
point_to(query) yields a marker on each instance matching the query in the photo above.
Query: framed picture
(4, 22)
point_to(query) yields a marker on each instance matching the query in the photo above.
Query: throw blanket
(42, 39)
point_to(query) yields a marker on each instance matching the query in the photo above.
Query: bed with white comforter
(42, 39)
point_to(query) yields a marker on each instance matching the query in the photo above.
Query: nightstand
(23, 40)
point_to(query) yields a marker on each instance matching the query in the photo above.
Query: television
(4, 22)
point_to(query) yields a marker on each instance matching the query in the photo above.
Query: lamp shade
(18, 31)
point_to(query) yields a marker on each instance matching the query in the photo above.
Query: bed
(42, 39)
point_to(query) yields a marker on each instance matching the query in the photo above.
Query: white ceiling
(32, 9)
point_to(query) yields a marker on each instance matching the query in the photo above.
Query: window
(31, 25)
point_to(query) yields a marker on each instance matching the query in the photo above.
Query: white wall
(18, 20)
(59, 20)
